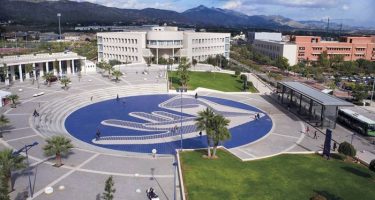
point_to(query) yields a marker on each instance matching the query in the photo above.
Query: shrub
(347, 149)
(237, 72)
(243, 77)
(372, 165)
(318, 197)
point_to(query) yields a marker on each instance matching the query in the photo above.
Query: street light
(25, 149)
(181, 90)
(58, 16)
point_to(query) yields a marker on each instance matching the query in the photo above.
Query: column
(12, 72)
(54, 68)
(73, 67)
(34, 72)
(47, 67)
(68, 69)
(157, 56)
(60, 70)
(41, 70)
(20, 73)
(84, 65)
(173, 55)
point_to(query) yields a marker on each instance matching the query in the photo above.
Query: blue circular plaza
(146, 122)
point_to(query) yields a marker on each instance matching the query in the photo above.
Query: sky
(351, 12)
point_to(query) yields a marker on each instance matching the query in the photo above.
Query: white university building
(161, 42)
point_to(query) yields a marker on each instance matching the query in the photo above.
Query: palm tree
(4, 188)
(8, 163)
(203, 123)
(220, 131)
(3, 122)
(65, 82)
(13, 98)
(58, 146)
(116, 74)
(183, 72)
(48, 76)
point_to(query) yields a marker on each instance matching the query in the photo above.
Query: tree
(114, 62)
(4, 188)
(203, 123)
(194, 62)
(282, 63)
(359, 92)
(65, 82)
(244, 80)
(371, 166)
(48, 77)
(29, 69)
(58, 146)
(117, 74)
(13, 98)
(8, 163)
(183, 72)
(347, 149)
(237, 72)
(220, 131)
(108, 67)
(109, 189)
(3, 122)
(323, 60)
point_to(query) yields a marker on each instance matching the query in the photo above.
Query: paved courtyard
(86, 168)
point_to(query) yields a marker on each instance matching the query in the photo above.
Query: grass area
(216, 81)
(281, 177)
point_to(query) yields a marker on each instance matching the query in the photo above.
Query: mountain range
(43, 12)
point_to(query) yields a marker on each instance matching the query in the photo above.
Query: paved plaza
(62, 112)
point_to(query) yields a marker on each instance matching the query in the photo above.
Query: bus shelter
(312, 105)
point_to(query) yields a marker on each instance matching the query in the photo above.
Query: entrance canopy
(313, 105)
(316, 95)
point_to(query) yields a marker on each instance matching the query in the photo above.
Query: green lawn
(281, 177)
(216, 81)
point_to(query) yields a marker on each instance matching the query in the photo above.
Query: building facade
(352, 48)
(275, 49)
(60, 64)
(252, 36)
(161, 42)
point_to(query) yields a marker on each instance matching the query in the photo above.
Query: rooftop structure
(161, 42)
(252, 36)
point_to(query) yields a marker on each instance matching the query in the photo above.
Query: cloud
(232, 4)
(345, 7)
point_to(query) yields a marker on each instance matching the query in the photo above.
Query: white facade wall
(275, 49)
(166, 42)
(123, 46)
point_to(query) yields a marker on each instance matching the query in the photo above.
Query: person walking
(258, 115)
(307, 129)
(117, 98)
(334, 146)
(91, 98)
(315, 136)
(97, 134)
(35, 114)
(196, 95)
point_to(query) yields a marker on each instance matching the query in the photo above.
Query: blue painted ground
(83, 124)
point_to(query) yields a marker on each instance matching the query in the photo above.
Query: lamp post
(59, 16)
(181, 90)
(25, 149)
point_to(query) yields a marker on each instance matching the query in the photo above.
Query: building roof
(45, 57)
(316, 95)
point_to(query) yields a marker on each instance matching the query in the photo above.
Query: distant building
(45, 37)
(161, 42)
(275, 49)
(352, 48)
(252, 36)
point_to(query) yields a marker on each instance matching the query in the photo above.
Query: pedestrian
(258, 115)
(200, 133)
(117, 98)
(255, 117)
(315, 136)
(196, 95)
(35, 114)
(334, 146)
(307, 129)
(91, 98)
(97, 134)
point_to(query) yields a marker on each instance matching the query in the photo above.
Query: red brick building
(353, 48)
